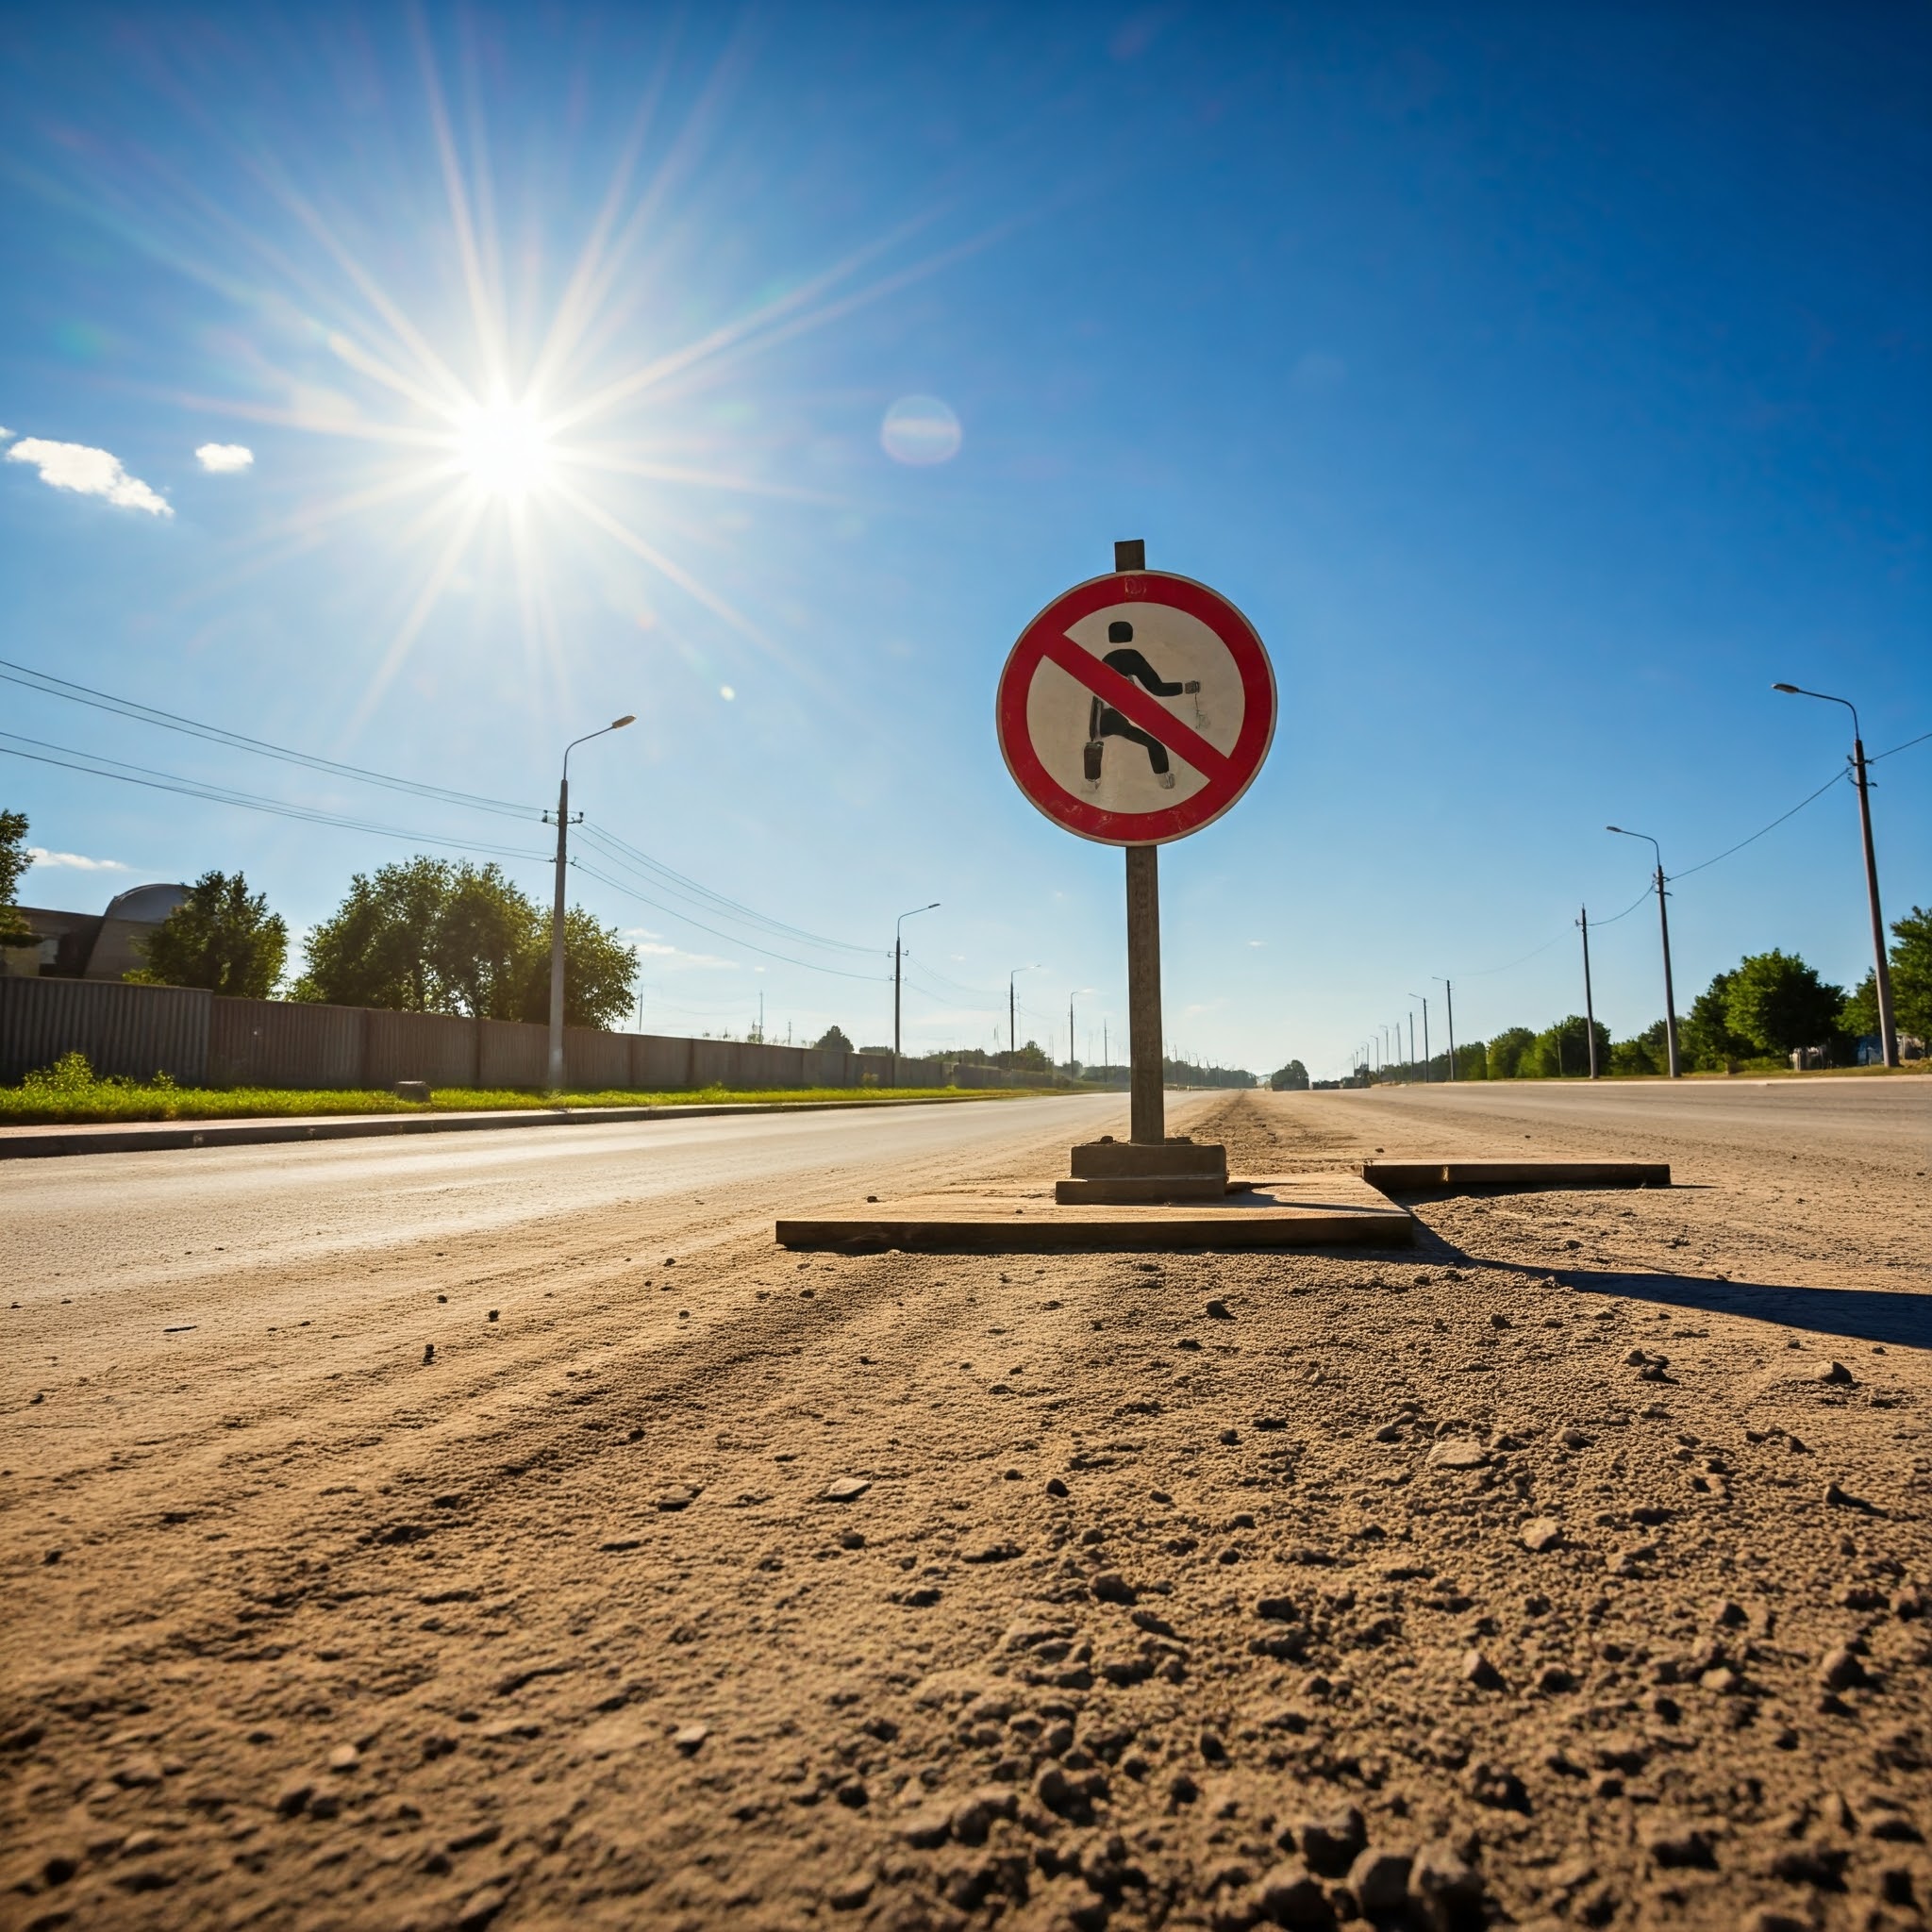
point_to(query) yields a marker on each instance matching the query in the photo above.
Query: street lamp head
(1619, 828)
(618, 723)
(1790, 689)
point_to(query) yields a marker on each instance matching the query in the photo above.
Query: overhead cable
(169, 721)
(98, 766)
(730, 939)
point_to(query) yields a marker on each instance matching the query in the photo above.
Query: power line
(628, 858)
(169, 721)
(96, 767)
(1835, 778)
(729, 938)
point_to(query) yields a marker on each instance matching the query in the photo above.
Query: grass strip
(68, 1094)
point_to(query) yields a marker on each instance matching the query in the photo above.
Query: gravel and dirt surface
(408, 1536)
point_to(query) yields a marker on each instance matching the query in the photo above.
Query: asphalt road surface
(440, 1533)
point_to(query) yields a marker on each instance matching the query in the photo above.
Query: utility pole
(1072, 1055)
(1881, 964)
(1589, 1010)
(1012, 1007)
(1411, 1043)
(1424, 998)
(898, 958)
(556, 1056)
(1449, 1000)
(1664, 919)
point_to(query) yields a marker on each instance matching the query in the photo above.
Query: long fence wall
(201, 1040)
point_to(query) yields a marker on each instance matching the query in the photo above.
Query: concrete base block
(1148, 1190)
(1301, 1211)
(1111, 1159)
(1411, 1176)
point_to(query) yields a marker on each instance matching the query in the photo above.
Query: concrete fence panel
(284, 1043)
(437, 1047)
(660, 1064)
(711, 1062)
(593, 1060)
(131, 1031)
(511, 1052)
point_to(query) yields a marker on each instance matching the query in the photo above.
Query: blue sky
(1541, 383)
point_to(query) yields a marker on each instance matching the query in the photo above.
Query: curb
(157, 1136)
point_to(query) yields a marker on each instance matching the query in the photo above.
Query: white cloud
(223, 458)
(73, 861)
(677, 956)
(91, 472)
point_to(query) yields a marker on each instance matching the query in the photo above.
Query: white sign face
(1094, 753)
(1135, 707)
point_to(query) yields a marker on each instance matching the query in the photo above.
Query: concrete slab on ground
(1299, 1212)
(1411, 1176)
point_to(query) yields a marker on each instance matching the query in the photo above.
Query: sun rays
(506, 409)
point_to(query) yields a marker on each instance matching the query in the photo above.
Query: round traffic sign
(1135, 707)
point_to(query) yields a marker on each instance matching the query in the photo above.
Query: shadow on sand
(1860, 1314)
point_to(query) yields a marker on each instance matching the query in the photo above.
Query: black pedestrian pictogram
(1104, 722)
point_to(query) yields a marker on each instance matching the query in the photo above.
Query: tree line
(1758, 1013)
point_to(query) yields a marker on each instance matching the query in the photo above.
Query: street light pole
(1881, 965)
(1664, 919)
(1424, 998)
(1449, 1001)
(1588, 1011)
(555, 1060)
(898, 955)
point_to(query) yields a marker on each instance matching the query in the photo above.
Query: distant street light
(1012, 1005)
(557, 907)
(898, 954)
(1424, 998)
(1664, 919)
(1881, 966)
(1449, 1000)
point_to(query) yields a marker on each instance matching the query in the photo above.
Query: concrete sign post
(1136, 708)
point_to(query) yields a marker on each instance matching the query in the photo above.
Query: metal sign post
(1136, 708)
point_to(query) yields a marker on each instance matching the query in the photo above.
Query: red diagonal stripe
(1140, 707)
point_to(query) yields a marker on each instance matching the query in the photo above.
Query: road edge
(143, 1136)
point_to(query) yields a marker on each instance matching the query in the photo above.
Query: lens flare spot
(503, 448)
(726, 691)
(920, 430)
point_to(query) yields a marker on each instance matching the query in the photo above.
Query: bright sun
(504, 448)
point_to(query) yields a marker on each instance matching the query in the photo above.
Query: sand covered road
(1572, 1566)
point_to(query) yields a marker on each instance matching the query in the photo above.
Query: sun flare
(504, 449)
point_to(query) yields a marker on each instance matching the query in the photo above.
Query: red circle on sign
(1228, 774)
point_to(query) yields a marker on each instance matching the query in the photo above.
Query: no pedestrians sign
(1135, 707)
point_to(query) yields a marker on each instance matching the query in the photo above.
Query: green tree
(1292, 1078)
(14, 860)
(429, 936)
(1506, 1050)
(378, 947)
(1860, 1014)
(1562, 1051)
(1706, 1039)
(1472, 1060)
(833, 1039)
(1778, 1002)
(598, 972)
(1649, 1052)
(222, 937)
(488, 934)
(1911, 974)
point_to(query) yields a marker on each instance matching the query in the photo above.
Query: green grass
(71, 1091)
